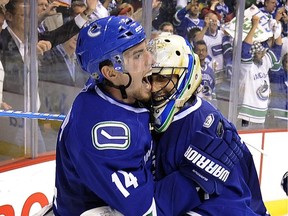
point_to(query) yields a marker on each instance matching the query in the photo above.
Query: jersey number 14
(129, 178)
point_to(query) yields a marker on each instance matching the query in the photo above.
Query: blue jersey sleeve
(179, 16)
(175, 195)
(245, 52)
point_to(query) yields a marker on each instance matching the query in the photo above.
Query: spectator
(278, 106)
(256, 61)
(12, 56)
(48, 17)
(188, 18)
(156, 5)
(222, 9)
(192, 35)
(112, 5)
(118, 7)
(99, 12)
(3, 105)
(77, 7)
(284, 21)
(73, 26)
(275, 11)
(284, 46)
(2, 17)
(208, 77)
(210, 8)
(166, 13)
(219, 48)
(12, 51)
(167, 27)
(269, 8)
(59, 65)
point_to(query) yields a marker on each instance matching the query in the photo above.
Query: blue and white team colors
(100, 162)
(88, 158)
(241, 194)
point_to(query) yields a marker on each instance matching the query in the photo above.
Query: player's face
(138, 63)
(163, 86)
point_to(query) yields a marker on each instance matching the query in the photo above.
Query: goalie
(195, 140)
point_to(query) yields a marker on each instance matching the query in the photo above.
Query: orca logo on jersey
(111, 135)
(263, 92)
(206, 164)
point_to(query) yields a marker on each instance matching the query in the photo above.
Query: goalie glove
(215, 150)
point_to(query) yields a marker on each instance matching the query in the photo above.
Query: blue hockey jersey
(241, 194)
(104, 157)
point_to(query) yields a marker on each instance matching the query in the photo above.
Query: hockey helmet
(107, 39)
(173, 55)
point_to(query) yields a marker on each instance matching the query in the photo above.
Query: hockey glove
(215, 150)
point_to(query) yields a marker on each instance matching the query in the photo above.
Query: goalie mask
(176, 75)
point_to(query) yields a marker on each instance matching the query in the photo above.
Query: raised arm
(249, 37)
(201, 34)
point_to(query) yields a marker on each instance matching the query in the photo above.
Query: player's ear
(109, 72)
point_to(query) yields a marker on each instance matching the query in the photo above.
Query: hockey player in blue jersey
(187, 125)
(103, 154)
(104, 146)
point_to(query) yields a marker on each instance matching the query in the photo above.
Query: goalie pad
(215, 150)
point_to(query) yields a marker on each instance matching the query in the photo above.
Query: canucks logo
(208, 121)
(94, 30)
(111, 135)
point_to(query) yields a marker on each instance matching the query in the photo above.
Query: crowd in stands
(263, 84)
(201, 22)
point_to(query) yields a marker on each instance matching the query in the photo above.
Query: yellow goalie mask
(178, 69)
